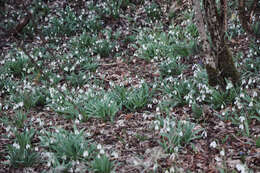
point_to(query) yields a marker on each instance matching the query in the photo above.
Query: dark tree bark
(218, 57)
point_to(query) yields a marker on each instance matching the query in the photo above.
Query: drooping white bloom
(213, 144)
(241, 168)
(85, 153)
(242, 119)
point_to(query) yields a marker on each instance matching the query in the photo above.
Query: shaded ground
(131, 141)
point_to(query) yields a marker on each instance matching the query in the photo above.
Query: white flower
(63, 88)
(254, 94)
(155, 166)
(81, 91)
(218, 159)
(241, 126)
(41, 123)
(85, 154)
(102, 151)
(242, 119)
(250, 81)
(80, 117)
(17, 146)
(76, 132)
(229, 85)
(173, 124)
(213, 144)
(222, 153)
(27, 146)
(49, 164)
(52, 140)
(99, 146)
(204, 134)
(172, 170)
(20, 104)
(172, 156)
(64, 157)
(115, 154)
(241, 168)
(8, 128)
(250, 104)
(156, 127)
(66, 69)
(76, 121)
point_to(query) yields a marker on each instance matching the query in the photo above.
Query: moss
(227, 67)
(212, 75)
(226, 70)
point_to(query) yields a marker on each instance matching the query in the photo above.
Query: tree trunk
(218, 57)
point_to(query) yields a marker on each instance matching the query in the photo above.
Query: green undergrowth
(66, 78)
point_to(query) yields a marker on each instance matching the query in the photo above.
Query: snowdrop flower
(172, 156)
(242, 119)
(64, 157)
(254, 94)
(63, 88)
(115, 154)
(222, 153)
(76, 121)
(66, 69)
(41, 123)
(172, 170)
(52, 140)
(81, 91)
(155, 166)
(229, 86)
(241, 168)
(156, 127)
(8, 128)
(27, 146)
(85, 154)
(80, 117)
(213, 144)
(102, 151)
(250, 81)
(17, 146)
(204, 134)
(99, 146)
(218, 159)
(76, 132)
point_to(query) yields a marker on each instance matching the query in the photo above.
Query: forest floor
(126, 78)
